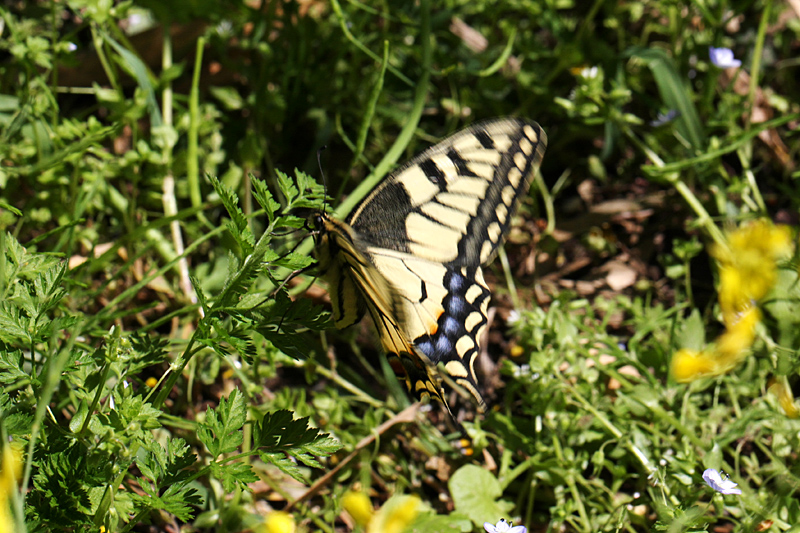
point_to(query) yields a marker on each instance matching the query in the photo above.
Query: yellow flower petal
(785, 398)
(739, 336)
(11, 469)
(279, 522)
(10, 473)
(748, 265)
(396, 515)
(358, 506)
(688, 365)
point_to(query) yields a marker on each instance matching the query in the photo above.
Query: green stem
(337, 9)
(97, 40)
(192, 158)
(361, 141)
(703, 218)
(494, 67)
(758, 50)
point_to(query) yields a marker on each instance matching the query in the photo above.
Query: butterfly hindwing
(441, 310)
(411, 252)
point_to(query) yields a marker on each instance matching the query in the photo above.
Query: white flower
(513, 317)
(71, 47)
(723, 57)
(715, 481)
(504, 527)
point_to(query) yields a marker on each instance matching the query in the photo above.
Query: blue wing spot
(455, 282)
(455, 306)
(443, 344)
(426, 347)
(450, 326)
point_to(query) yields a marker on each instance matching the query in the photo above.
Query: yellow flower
(785, 398)
(748, 265)
(748, 268)
(739, 336)
(394, 517)
(358, 506)
(10, 472)
(688, 365)
(279, 522)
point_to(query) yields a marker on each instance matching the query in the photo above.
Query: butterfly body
(411, 253)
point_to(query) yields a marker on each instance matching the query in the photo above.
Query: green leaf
(264, 198)
(693, 333)
(279, 435)
(11, 366)
(234, 475)
(476, 494)
(238, 226)
(454, 522)
(221, 432)
(286, 465)
(139, 71)
(674, 92)
(287, 187)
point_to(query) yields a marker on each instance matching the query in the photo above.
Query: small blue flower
(504, 527)
(664, 118)
(723, 486)
(723, 57)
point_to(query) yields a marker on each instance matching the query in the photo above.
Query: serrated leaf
(293, 261)
(234, 475)
(238, 226)
(221, 433)
(279, 436)
(286, 465)
(287, 186)
(264, 198)
(13, 326)
(11, 367)
(48, 290)
(201, 297)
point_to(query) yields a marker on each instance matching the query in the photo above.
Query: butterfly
(411, 253)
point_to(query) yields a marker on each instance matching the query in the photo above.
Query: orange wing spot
(433, 328)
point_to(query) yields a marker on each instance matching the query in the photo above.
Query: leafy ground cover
(159, 372)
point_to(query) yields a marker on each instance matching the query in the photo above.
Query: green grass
(154, 369)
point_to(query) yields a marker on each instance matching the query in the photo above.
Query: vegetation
(161, 365)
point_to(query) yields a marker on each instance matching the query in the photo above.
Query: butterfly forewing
(453, 202)
(411, 252)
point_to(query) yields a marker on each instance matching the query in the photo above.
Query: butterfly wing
(411, 252)
(356, 285)
(452, 203)
(442, 311)
(430, 226)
